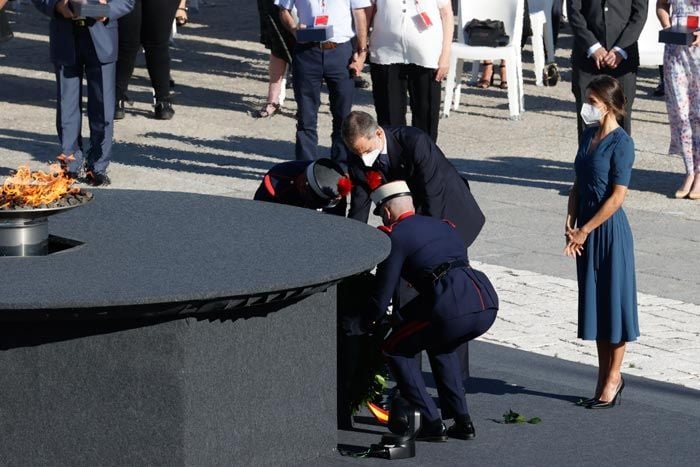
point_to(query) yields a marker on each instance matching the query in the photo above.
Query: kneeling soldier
(455, 304)
(319, 184)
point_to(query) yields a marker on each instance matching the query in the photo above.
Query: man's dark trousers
(311, 66)
(100, 105)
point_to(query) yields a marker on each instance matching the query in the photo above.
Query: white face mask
(590, 114)
(369, 157)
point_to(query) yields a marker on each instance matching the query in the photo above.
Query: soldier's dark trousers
(439, 339)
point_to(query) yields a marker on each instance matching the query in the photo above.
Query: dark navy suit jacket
(617, 23)
(438, 189)
(104, 35)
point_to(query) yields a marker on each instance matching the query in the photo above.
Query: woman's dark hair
(609, 91)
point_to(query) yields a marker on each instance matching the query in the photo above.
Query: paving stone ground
(520, 173)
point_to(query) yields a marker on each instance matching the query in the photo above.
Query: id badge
(423, 21)
(321, 20)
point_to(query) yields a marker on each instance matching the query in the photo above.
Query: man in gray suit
(85, 47)
(605, 42)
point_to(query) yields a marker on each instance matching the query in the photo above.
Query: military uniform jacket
(280, 184)
(105, 36)
(438, 189)
(613, 23)
(419, 244)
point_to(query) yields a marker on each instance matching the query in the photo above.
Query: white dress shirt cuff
(593, 48)
(622, 53)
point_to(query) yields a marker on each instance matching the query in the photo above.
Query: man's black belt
(437, 273)
(321, 45)
(83, 22)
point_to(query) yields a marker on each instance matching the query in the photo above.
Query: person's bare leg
(277, 70)
(603, 366)
(613, 378)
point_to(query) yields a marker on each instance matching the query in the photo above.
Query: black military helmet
(327, 183)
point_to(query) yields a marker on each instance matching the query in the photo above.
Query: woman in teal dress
(601, 240)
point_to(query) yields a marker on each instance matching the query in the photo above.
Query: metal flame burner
(25, 232)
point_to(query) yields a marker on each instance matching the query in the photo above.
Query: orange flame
(380, 415)
(31, 189)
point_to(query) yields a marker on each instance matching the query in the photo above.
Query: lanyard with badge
(322, 19)
(422, 18)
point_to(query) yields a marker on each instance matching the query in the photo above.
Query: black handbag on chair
(486, 33)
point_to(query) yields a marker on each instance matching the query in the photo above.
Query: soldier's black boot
(462, 429)
(433, 431)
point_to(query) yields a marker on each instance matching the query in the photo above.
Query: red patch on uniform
(374, 179)
(344, 186)
(268, 185)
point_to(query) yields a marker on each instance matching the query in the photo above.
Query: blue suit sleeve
(622, 161)
(119, 8)
(388, 277)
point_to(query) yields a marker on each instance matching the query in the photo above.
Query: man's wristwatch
(364, 49)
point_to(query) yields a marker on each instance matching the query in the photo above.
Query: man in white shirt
(332, 60)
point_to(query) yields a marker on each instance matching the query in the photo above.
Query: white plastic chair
(511, 13)
(541, 21)
(651, 51)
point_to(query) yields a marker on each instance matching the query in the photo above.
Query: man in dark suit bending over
(385, 154)
(605, 42)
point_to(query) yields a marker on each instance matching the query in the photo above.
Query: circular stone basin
(151, 247)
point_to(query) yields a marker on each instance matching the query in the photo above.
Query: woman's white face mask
(591, 114)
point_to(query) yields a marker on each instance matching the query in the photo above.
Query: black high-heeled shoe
(609, 404)
(586, 402)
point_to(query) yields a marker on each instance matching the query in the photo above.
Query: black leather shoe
(462, 429)
(119, 108)
(434, 431)
(119, 112)
(97, 179)
(164, 110)
(659, 90)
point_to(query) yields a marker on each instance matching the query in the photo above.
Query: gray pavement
(520, 172)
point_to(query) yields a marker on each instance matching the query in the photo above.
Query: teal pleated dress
(607, 308)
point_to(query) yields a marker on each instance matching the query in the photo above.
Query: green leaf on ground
(511, 417)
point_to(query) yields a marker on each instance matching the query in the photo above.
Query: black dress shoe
(659, 90)
(434, 431)
(97, 179)
(119, 112)
(462, 429)
(119, 108)
(164, 109)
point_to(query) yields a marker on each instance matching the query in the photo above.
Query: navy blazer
(105, 36)
(438, 189)
(617, 23)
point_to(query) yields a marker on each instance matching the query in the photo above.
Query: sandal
(181, 18)
(265, 112)
(484, 82)
(504, 81)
